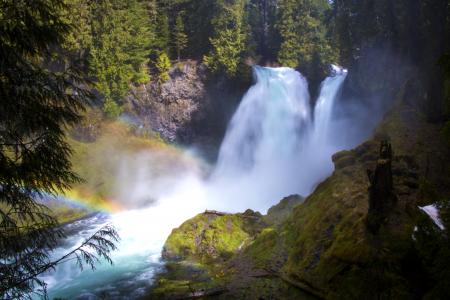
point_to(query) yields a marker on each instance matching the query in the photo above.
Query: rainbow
(75, 199)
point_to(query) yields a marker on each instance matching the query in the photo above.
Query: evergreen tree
(304, 41)
(121, 46)
(228, 41)
(37, 103)
(162, 33)
(163, 67)
(262, 18)
(180, 37)
(78, 15)
(198, 27)
(111, 109)
(139, 34)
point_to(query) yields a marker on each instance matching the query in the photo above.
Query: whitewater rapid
(276, 145)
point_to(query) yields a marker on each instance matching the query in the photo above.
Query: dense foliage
(124, 41)
(41, 93)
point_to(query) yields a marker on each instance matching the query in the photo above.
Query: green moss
(262, 249)
(209, 237)
(279, 212)
(327, 241)
(180, 279)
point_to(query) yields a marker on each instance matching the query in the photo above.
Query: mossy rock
(212, 235)
(279, 212)
(180, 280)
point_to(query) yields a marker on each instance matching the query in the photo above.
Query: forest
(133, 42)
(165, 108)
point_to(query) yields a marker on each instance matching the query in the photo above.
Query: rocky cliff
(189, 108)
(170, 107)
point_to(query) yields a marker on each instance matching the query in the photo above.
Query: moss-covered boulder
(212, 235)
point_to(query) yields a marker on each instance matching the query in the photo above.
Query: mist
(276, 145)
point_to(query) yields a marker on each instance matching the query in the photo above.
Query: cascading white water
(273, 147)
(267, 123)
(323, 111)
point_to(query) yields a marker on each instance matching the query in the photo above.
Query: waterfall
(266, 125)
(323, 110)
(272, 147)
(276, 145)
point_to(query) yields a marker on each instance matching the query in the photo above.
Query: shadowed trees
(41, 93)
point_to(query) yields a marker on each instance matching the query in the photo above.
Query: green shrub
(111, 109)
(141, 77)
(163, 66)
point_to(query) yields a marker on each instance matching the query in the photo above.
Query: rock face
(172, 108)
(191, 108)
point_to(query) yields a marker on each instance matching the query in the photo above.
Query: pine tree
(228, 41)
(37, 103)
(262, 17)
(304, 41)
(163, 33)
(180, 37)
(198, 27)
(139, 34)
(78, 15)
(163, 67)
(288, 55)
(111, 109)
(121, 46)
